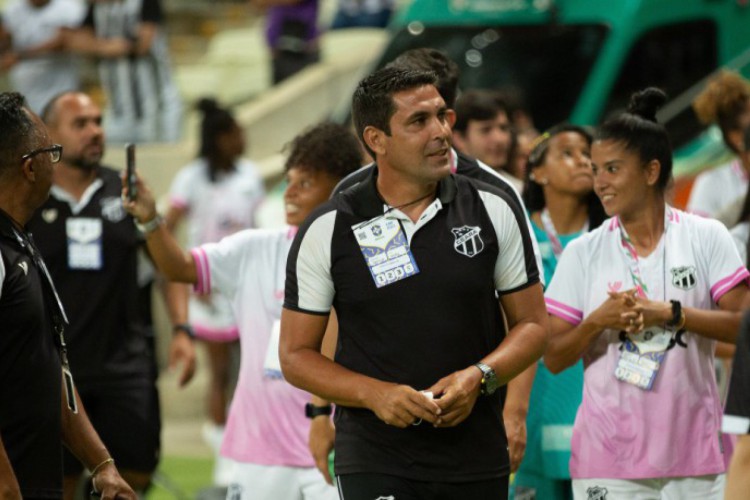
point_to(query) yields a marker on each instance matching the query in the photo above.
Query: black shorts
(128, 421)
(369, 486)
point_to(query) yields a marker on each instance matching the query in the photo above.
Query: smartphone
(130, 172)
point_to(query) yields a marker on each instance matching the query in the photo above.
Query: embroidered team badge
(684, 277)
(49, 215)
(597, 493)
(112, 209)
(468, 242)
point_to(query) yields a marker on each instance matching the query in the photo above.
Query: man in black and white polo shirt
(411, 259)
(737, 415)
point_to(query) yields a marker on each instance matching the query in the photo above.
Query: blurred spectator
(725, 102)
(128, 39)
(93, 251)
(291, 34)
(362, 14)
(218, 194)
(32, 44)
(483, 130)
(525, 139)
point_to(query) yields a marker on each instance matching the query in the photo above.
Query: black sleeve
(88, 21)
(151, 12)
(738, 399)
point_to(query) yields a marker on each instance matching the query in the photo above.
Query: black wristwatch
(489, 380)
(676, 313)
(312, 411)
(184, 327)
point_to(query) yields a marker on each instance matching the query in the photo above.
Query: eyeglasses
(54, 151)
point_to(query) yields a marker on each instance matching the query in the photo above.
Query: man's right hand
(402, 406)
(144, 207)
(320, 441)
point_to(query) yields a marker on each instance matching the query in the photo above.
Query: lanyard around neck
(551, 232)
(631, 255)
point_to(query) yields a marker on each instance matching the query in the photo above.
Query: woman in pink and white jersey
(643, 300)
(267, 428)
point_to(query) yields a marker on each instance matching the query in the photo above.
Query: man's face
(488, 140)
(77, 125)
(418, 146)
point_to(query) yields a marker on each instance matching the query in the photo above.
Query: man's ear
(27, 167)
(375, 139)
(450, 117)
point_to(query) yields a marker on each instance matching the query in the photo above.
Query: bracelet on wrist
(150, 226)
(184, 327)
(102, 465)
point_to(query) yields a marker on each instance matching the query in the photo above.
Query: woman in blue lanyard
(560, 197)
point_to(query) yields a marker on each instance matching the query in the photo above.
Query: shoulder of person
(353, 179)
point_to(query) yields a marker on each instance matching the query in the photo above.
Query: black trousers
(387, 487)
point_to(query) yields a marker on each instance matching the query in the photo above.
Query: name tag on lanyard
(641, 357)
(386, 250)
(84, 237)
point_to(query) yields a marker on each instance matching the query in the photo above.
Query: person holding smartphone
(95, 254)
(266, 431)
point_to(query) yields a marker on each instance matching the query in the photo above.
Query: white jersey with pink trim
(672, 430)
(266, 423)
(716, 189)
(220, 208)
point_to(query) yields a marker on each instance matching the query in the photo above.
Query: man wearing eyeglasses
(94, 253)
(40, 407)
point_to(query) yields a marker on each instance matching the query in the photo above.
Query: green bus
(579, 60)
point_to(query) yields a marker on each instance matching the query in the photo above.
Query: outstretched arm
(174, 263)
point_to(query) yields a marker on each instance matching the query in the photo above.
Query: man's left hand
(110, 485)
(456, 395)
(515, 429)
(182, 351)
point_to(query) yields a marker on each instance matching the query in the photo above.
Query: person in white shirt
(643, 301)
(32, 32)
(726, 103)
(217, 194)
(267, 428)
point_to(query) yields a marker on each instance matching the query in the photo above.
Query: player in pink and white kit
(637, 299)
(266, 432)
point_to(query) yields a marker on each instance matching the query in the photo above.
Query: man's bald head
(74, 120)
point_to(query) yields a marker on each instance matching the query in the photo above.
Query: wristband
(312, 411)
(678, 318)
(150, 226)
(184, 327)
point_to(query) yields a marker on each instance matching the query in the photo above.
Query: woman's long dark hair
(533, 194)
(216, 121)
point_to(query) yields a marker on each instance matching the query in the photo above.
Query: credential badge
(684, 277)
(468, 242)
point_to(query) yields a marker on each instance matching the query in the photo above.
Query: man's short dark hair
(327, 147)
(478, 105)
(16, 130)
(372, 103)
(438, 62)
